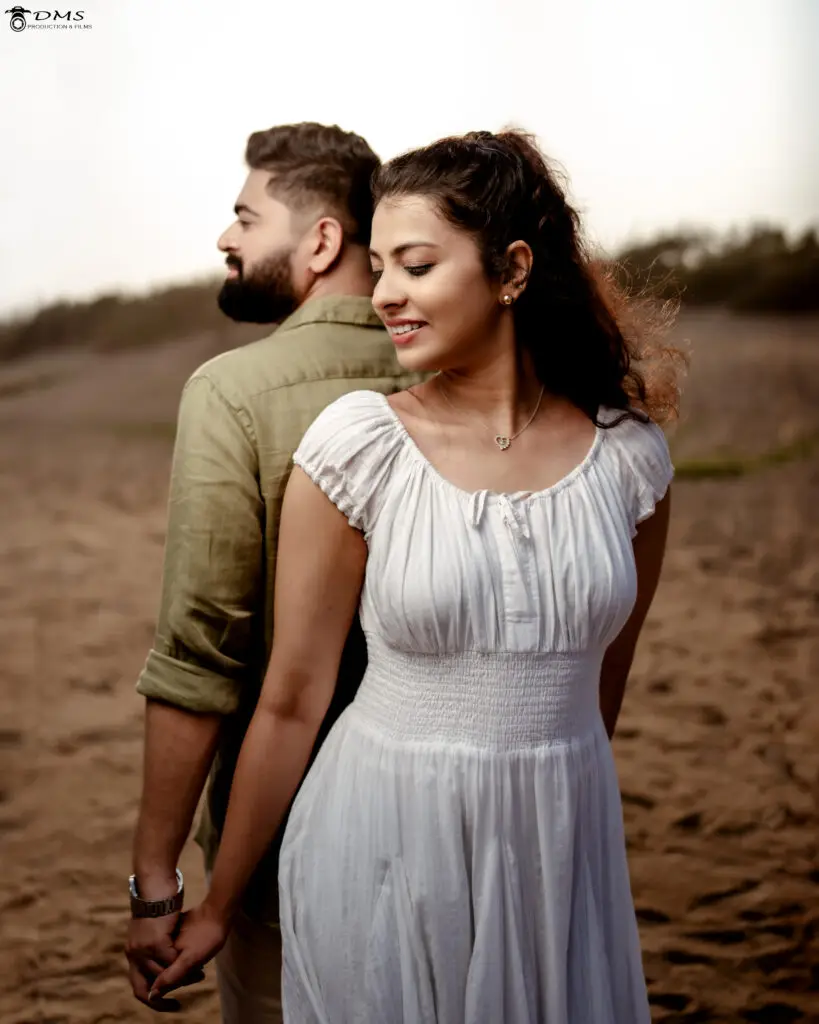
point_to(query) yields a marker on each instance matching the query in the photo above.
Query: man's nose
(226, 242)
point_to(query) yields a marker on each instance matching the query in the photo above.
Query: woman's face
(431, 291)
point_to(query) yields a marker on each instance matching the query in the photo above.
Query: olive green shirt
(241, 417)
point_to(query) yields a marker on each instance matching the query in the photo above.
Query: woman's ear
(519, 260)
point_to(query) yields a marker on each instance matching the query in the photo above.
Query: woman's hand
(201, 935)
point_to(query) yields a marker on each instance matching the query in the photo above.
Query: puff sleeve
(646, 461)
(348, 451)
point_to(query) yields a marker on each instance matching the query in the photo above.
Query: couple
(474, 506)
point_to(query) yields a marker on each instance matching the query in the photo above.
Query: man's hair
(317, 165)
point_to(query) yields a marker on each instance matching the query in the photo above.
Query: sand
(718, 748)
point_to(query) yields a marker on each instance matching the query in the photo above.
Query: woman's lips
(403, 336)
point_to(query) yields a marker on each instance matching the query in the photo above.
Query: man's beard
(266, 296)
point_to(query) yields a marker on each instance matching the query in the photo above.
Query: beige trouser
(249, 974)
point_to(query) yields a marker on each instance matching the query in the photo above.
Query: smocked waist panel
(500, 701)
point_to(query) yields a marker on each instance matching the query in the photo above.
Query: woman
(456, 852)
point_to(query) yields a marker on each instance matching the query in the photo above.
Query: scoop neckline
(545, 492)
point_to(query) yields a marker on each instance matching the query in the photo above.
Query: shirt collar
(334, 309)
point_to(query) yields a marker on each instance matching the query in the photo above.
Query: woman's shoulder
(362, 414)
(357, 406)
(633, 429)
(356, 417)
(348, 449)
(640, 456)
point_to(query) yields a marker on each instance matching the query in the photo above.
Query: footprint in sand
(776, 960)
(717, 896)
(669, 1000)
(638, 800)
(647, 915)
(773, 1013)
(12, 825)
(720, 937)
(738, 829)
(710, 715)
(20, 901)
(782, 931)
(790, 910)
(679, 956)
(689, 822)
(10, 738)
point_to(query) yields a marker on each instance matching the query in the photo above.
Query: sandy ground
(718, 749)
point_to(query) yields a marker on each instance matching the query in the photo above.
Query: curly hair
(316, 164)
(589, 340)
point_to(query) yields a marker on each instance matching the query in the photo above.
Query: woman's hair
(588, 339)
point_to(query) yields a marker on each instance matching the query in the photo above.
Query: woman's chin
(416, 360)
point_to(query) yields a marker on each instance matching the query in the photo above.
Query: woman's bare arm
(649, 552)
(319, 576)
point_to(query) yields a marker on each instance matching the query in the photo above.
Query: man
(297, 253)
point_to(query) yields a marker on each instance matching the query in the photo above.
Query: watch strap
(156, 908)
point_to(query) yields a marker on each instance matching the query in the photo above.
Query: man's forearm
(179, 750)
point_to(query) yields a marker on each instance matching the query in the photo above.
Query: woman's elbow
(296, 699)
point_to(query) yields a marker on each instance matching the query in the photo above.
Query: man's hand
(179, 748)
(201, 935)
(150, 949)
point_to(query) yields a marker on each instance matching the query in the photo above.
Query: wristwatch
(156, 908)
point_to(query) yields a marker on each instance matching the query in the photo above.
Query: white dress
(456, 853)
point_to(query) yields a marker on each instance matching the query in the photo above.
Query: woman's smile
(404, 331)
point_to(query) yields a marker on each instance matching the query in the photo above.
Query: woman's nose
(387, 296)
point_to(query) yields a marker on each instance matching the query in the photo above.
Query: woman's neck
(504, 392)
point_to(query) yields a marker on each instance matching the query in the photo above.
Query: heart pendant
(502, 442)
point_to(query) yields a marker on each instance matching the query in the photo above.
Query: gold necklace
(501, 440)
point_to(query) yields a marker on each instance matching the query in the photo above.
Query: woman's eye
(377, 275)
(418, 269)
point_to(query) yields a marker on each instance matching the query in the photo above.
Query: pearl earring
(507, 300)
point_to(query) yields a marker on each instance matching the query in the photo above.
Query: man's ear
(326, 243)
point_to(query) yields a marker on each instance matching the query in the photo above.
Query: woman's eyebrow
(401, 249)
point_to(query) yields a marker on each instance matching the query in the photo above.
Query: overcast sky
(122, 144)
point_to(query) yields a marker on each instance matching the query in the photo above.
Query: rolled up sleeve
(208, 637)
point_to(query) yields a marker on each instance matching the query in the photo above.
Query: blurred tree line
(121, 321)
(755, 271)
